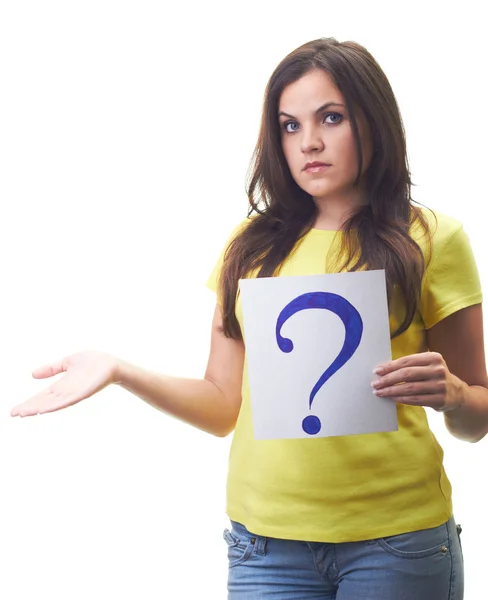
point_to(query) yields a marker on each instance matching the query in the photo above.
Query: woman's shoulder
(441, 227)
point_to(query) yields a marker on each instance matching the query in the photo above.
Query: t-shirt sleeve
(451, 281)
(213, 280)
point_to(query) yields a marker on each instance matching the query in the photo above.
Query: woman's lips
(316, 167)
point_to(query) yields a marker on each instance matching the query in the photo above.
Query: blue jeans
(422, 565)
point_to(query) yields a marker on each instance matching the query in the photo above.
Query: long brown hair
(377, 235)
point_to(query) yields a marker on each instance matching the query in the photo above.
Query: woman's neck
(332, 213)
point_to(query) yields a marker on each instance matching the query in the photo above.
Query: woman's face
(315, 128)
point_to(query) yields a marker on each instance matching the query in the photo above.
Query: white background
(125, 133)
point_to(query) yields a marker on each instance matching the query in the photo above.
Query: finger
(15, 412)
(411, 389)
(29, 407)
(39, 405)
(49, 370)
(26, 409)
(421, 359)
(434, 401)
(403, 375)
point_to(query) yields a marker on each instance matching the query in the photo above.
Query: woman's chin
(320, 188)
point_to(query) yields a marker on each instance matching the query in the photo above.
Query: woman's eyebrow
(320, 109)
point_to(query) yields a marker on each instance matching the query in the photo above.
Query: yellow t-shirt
(358, 487)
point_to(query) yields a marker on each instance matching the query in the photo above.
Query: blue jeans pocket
(458, 531)
(239, 549)
(418, 544)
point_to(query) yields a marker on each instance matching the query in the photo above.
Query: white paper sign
(312, 343)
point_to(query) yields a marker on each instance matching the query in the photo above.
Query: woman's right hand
(86, 373)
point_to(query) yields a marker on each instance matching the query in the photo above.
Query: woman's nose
(311, 141)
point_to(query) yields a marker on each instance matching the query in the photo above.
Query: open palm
(86, 373)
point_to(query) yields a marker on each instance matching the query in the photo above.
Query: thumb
(49, 370)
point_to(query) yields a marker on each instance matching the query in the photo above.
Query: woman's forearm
(198, 402)
(469, 422)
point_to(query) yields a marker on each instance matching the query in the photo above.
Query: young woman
(346, 517)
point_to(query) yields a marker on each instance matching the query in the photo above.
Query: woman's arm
(451, 377)
(212, 403)
(459, 339)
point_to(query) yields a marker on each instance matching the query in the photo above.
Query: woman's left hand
(421, 380)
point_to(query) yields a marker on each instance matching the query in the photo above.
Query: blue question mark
(354, 331)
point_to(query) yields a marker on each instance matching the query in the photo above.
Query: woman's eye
(337, 118)
(329, 119)
(290, 126)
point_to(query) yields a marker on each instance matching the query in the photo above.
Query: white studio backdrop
(126, 129)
